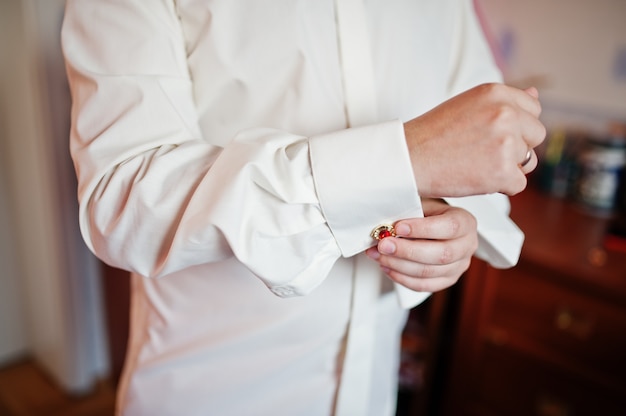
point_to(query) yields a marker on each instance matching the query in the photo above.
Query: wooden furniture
(116, 287)
(548, 337)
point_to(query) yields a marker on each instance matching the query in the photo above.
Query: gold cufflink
(383, 231)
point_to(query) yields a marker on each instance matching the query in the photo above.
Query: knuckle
(491, 89)
(409, 252)
(426, 272)
(510, 141)
(454, 225)
(447, 255)
(503, 147)
(504, 114)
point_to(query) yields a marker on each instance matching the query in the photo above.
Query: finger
(532, 129)
(532, 91)
(439, 225)
(527, 101)
(431, 278)
(509, 170)
(516, 183)
(434, 206)
(398, 253)
(514, 97)
(420, 270)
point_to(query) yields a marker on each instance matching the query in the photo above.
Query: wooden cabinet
(548, 337)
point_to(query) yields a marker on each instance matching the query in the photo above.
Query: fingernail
(402, 229)
(387, 246)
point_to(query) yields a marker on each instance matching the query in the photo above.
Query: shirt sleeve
(157, 197)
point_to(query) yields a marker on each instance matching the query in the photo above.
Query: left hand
(433, 252)
(474, 143)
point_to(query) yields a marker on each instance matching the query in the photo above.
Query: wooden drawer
(564, 326)
(511, 383)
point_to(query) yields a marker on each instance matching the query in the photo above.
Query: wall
(58, 278)
(13, 342)
(574, 51)
(13, 338)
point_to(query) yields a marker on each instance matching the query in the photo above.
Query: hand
(475, 142)
(434, 251)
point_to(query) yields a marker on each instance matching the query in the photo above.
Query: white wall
(13, 339)
(13, 342)
(59, 280)
(573, 50)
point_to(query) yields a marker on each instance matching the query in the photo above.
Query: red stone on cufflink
(383, 231)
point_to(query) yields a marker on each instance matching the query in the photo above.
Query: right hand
(475, 142)
(430, 253)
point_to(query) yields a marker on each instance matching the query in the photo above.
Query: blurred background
(546, 338)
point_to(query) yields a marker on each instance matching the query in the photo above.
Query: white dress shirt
(228, 147)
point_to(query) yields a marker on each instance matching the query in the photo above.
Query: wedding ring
(383, 231)
(529, 155)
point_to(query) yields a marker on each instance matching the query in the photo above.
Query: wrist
(418, 164)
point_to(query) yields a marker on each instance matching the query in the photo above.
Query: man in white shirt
(228, 147)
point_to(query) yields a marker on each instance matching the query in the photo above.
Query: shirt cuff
(363, 177)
